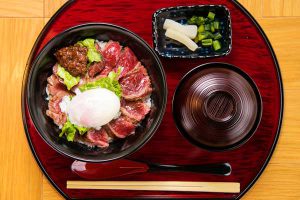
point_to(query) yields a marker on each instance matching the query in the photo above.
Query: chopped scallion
(217, 36)
(192, 20)
(211, 15)
(209, 30)
(216, 25)
(202, 36)
(212, 28)
(207, 42)
(200, 21)
(209, 35)
(201, 28)
(216, 45)
(207, 27)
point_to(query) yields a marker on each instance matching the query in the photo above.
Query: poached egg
(93, 108)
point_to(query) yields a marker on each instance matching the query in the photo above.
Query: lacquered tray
(251, 52)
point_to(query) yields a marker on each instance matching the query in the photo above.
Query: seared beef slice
(120, 127)
(98, 138)
(111, 53)
(135, 110)
(136, 85)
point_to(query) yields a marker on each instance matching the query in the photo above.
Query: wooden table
(22, 20)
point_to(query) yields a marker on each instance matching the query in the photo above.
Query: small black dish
(42, 68)
(164, 47)
(217, 106)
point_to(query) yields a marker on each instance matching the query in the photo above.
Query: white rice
(98, 128)
(47, 92)
(101, 44)
(64, 104)
(77, 91)
(148, 101)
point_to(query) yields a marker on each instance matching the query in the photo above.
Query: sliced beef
(58, 118)
(121, 127)
(136, 110)
(53, 80)
(73, 58)
(95, 68)
(92, 79)
(53, 104)
(111, 53)
(55, 69)
(56, 91)
(98, 47)
(55, 87)
(54, 111)
(136, 85)
(98, 138)
(86, 79)
(134, 69)
(106, 70)
(127, 61)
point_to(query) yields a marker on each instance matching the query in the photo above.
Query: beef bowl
(96, 92)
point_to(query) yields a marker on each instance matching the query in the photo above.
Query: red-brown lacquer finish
(250, 52)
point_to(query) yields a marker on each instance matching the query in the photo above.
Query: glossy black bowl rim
(152, 129)
(155, 34)
(257, 95)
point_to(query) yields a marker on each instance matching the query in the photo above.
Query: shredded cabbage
(81, 130)
(69, 80)
(93, 55)
(110, 82)
(70, 129)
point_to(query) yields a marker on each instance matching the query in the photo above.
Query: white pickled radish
(188, 30)
(178, 36)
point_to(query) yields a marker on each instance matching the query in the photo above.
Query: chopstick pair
(185, 186)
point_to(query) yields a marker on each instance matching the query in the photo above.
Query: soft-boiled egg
(93, 108)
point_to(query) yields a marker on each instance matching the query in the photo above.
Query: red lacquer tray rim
(23, 101)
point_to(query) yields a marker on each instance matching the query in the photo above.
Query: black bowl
(181, 14)
(217, 106)
(42, 68)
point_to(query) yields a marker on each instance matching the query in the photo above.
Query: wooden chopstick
(223, 187)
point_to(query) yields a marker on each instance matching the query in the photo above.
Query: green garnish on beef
(110, 82)
(69, 80)
(69, 130)
(92, 54)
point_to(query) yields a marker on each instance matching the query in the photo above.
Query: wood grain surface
(22, 20)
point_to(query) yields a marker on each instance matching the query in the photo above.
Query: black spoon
(123, 167)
